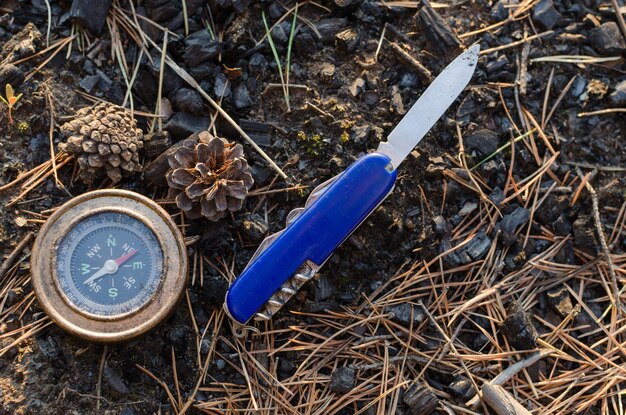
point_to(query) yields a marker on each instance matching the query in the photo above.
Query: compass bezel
(120, 327)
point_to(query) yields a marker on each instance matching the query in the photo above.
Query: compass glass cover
(109, 264)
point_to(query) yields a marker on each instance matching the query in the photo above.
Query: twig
(605, 249)
(620, 18)
(601, 112)
(501, 401)
(516, 43)
(14, 254)
(100, 371)
(421, 69)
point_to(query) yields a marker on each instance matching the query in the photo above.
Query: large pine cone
(106, 139)
(209, 179)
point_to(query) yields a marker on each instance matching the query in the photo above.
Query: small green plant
(284, 78)
(314, 144)
(10, 100)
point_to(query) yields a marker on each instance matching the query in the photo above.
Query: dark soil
(344, 102)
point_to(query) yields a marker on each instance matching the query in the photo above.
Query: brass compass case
(112, 328)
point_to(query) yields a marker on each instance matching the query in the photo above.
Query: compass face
(109, 264)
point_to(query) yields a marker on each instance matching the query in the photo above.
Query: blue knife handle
(314, 235)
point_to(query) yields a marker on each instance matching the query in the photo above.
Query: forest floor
(498, 263)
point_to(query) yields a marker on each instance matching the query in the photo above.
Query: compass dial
(109, 264)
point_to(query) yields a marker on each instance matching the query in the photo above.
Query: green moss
(344, 137)
(314, 144)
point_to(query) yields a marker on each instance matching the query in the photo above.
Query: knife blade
(287, 259)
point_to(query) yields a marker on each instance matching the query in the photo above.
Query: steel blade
(430, 106)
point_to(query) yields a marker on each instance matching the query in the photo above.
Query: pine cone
(209, 179)
(105, 138)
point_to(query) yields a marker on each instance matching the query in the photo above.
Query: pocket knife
(286, 260)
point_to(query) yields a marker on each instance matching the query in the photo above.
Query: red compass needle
(119, 261)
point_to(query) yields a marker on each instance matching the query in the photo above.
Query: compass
(109, 265)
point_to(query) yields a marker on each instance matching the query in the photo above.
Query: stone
(258, 64)
(241, 96)
(360, 132)
(11, 74)
(607, 38)
(518, 328)
(200, 47)
(190, 101)
(91, 14)
(342, 380)
(222, 87)
(618, 97)
(183, 124)
(545, 13)
(115, 380)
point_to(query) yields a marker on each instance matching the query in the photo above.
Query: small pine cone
(209, 179)
(105, 139)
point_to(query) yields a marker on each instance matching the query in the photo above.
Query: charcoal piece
(328, 28)
(483, 141)
(584, 235)
(156, 142)
(342, 380)
(11, 74)
(511, 222)
(200, 47)
(501, 9)
(497, 196)
(607, 38)
(406, 314)
(89, 83)
(253, 228)
(183, 124)
(420, 399)
(305, 43)
(518, 328)
(552, 208)
(163, 10)
(478, 246)
(462, 388)
(115, 381)
(439, 225)
(545, 13)
(154, 172)
(618, 97)
(347, 40)
(437, 31)
(560, 301)
(252, 126)
(190, 101)
(91, 14)
(324, 288)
